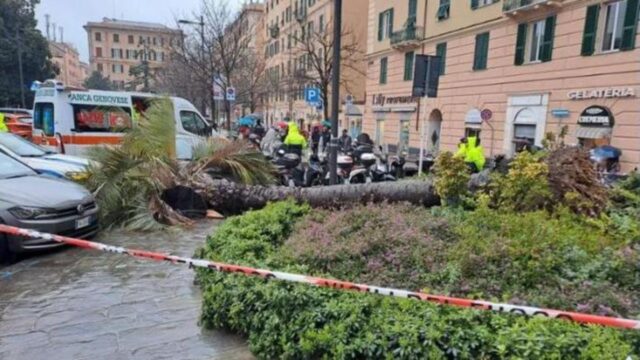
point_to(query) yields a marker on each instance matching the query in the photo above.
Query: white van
(71, 120)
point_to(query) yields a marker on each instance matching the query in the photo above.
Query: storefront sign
(605, 93)
(382, 100)
(596, 116)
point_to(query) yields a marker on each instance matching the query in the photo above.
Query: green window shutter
(441, 50)
(481, 51)
(413, 9)
(474, 4)
(590, 28)
(521, 44)
(408, 66)
(547, 41)
(383, 70)
(390, 22)
(630, 26)
(380, 29)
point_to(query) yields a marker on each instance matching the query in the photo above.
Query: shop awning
(585, 132)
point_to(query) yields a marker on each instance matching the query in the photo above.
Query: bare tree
(312, 50)
(251, 81)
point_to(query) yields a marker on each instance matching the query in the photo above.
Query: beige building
(66, 59)
(117, 45)
(291, 67)
(533, 66)
(250, 26)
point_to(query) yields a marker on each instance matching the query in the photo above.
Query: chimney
(53, 25)
(46, 17)
(61, 34)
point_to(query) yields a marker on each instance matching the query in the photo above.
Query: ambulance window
(193, 123)
(43, 118)
(101, 118)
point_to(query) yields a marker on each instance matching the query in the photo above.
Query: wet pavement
(80, 304)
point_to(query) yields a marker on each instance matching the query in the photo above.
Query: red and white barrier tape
(334, 284)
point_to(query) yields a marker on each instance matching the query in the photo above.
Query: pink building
(536, 65)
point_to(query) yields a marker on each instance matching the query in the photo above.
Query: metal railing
(512, 5)
(412, 33)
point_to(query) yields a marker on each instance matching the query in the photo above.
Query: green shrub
(296, 321)
(451, 178)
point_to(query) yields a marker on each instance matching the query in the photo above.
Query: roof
(128, 24)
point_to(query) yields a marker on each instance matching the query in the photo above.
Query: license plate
(83, 223)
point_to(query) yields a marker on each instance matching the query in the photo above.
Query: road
(81, 304)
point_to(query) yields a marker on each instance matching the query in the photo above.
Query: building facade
(297, 51)
(513, 71)
(248, 82)
(67, 60)
(115, 46)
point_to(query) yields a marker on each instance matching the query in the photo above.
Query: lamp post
(335, 91)
(202, 55)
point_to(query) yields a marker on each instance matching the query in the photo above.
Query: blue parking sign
(312, 95)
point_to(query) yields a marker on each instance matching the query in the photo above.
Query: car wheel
(6, 255)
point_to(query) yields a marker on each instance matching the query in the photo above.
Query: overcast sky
(73, 14)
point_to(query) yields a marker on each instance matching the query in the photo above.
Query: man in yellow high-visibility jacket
(3, 125)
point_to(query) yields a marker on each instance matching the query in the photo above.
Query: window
(383, 70)
(43, 118)
(99, 118)
(98, 52)
(408, 66)
(480, 3)
(130, 39)
(534, 42)
(443, 10)
(413, 9)
(321, 23)
(155, 41)
(288, 14)
(385, 24)
(98, 36)
(100, 68)
(610, 27)
(441, 50)
(481, 51)
(193, 123)
(116, 38)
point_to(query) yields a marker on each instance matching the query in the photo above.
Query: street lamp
(335, 92)
(202, 51)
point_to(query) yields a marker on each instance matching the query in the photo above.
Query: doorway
(434, 129)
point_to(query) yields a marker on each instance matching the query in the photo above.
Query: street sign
(560, 113)
(231, 94)
(218, 93)
(486, 114)
(348, 99)
(426, 78)
(312, 95)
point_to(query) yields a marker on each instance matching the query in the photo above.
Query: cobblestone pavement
(79, 304)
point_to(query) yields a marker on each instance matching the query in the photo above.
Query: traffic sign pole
(335, 91)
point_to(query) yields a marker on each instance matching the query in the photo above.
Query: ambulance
(71, 120)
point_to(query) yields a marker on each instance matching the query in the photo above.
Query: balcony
(407, 38)
(517, 7)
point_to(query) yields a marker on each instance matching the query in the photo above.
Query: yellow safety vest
(3, 126)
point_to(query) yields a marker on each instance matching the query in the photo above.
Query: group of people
(296, 140)
(472, 152)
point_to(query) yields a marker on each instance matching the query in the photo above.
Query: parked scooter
(364, 159)
(382, 170)
(287, 165)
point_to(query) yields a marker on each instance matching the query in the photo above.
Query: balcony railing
(514, 6)
(408, 37)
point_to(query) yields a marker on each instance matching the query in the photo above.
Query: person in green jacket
(294, 141)
(462, 149)
(3, 125)
(474, 154)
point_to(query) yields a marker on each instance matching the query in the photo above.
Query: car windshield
(11, 168)
(21, 147)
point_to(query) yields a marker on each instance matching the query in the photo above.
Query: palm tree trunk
(232, 198)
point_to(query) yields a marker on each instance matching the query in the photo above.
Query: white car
(44, 161)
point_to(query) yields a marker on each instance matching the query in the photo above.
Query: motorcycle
(315, 172)
(382, 170)
(287, 165)
(364, 158)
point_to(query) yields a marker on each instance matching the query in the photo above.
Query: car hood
(60, 164)
(41, 191)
